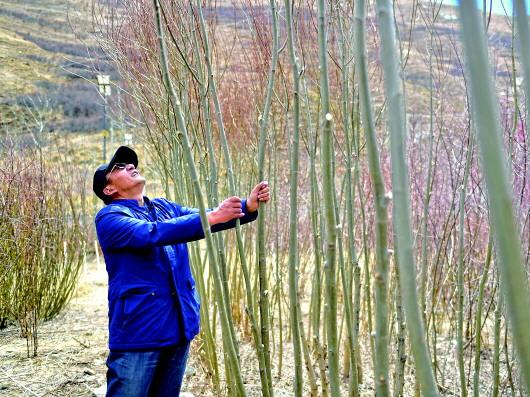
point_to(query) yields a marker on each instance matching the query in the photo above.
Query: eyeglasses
(118, 167)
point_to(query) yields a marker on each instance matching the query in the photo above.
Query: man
(153, 304)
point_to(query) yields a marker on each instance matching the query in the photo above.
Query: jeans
(146, 373)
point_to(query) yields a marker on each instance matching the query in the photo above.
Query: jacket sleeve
(119, 229)
(248, 217)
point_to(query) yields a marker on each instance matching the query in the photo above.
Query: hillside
(49, 60)
(49, 63)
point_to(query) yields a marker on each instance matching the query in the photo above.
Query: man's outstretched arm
(225, 215)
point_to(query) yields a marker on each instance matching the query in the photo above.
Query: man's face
(124, 181)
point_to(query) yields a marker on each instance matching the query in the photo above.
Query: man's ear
(109, 190)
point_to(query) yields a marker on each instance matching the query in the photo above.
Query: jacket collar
(132, 203)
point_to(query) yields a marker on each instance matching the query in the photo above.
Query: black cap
(125, 155)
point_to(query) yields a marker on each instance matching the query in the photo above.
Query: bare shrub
(41, 243)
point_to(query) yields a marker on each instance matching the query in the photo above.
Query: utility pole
(105, 91)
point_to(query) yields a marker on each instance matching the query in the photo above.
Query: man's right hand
(226, 211)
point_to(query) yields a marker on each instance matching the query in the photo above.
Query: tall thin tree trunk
(513, 275)
(401, 207)
(261, 247)
(328, 184)
(293, 205)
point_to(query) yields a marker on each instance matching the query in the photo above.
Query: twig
(17, 383)
(81, 343)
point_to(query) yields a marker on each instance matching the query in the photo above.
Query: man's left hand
(260, 193)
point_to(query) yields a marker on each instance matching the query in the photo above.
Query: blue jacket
(152, 297)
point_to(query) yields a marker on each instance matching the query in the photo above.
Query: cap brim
(125, 155)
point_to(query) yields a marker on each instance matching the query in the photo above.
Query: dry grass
(23, 63)
(19, 73)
